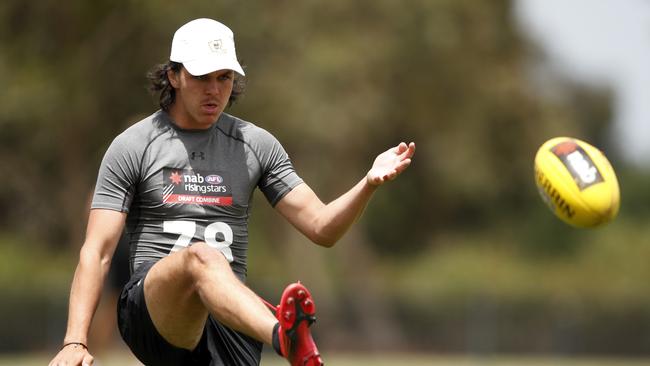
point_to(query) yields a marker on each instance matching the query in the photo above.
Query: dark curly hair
(159, 83)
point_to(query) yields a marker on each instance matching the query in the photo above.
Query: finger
(400, 148)
(407, 152)
(411, 149)
(88, 360)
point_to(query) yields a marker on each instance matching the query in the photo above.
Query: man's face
(200, 99)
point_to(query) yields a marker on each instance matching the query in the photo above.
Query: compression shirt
(182, 186)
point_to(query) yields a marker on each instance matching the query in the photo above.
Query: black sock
(276, 339)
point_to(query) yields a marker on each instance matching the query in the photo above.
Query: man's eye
(200, 77)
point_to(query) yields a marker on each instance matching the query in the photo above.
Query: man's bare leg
(183, 288)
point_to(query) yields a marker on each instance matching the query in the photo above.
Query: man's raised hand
(389, 164)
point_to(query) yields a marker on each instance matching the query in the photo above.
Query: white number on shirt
(218, 235)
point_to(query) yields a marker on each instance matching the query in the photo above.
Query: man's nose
(212, 87)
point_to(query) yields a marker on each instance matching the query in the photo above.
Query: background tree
(459, 247)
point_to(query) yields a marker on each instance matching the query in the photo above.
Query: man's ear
(173, 78)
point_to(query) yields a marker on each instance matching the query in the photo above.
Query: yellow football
(577, 182)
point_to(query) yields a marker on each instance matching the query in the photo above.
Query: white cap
(203, 46)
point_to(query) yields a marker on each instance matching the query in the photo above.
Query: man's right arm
(102, 235)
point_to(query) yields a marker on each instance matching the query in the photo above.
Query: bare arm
(102, 235)
(325, 224)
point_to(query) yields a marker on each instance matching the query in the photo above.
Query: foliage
(337, 82)
(34, 286)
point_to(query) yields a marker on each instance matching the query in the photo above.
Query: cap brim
(210, 64)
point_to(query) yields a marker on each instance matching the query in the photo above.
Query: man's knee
(202, 258)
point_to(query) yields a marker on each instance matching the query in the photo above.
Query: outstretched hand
(389, 164)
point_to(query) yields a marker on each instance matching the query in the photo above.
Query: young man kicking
(181, 181)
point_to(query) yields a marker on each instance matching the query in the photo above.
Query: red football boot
(296, 313)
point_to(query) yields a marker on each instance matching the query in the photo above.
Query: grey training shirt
(183, 186)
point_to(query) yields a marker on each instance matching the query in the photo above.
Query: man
(182, 181)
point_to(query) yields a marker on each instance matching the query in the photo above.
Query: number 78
(187, 229)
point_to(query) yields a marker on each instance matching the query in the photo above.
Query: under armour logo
(200, 155)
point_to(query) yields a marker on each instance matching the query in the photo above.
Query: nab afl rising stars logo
(183, 186)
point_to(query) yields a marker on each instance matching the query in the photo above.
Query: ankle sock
(276, 339)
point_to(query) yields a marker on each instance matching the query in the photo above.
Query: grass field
(374, 360)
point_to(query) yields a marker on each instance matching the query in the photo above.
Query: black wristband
(76, 344)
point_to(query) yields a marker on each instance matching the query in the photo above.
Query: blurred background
(459, 256)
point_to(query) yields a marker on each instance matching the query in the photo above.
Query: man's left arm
(325, 224)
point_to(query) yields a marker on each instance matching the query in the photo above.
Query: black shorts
(219, 345)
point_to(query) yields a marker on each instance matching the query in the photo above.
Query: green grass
(374, 360)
